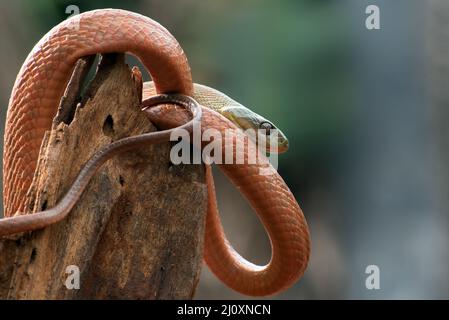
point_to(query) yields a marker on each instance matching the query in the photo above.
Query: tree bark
(136, 232)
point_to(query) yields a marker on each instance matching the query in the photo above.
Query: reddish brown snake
(34, 99)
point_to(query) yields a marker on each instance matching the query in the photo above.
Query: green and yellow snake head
(244, 118)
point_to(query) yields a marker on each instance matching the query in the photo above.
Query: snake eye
(266, 126)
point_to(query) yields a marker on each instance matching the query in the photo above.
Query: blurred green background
(365, 112)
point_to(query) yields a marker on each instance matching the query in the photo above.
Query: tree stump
(137, 231)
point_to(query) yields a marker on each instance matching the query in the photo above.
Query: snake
(33, 103)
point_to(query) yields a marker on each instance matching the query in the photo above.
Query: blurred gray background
(365, 111)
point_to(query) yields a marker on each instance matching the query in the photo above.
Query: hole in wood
(33, 255)
(108, 126)
(44, 205)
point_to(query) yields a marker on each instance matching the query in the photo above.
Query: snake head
(276, 141)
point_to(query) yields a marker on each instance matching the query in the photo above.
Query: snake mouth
(279, 145)
(283, 146)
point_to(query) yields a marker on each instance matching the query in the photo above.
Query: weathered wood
(137, 231)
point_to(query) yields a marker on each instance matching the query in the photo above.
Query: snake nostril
(108, 126)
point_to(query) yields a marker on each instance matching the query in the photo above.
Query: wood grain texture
(138, 229)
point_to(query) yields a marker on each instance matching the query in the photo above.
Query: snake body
(34, 99)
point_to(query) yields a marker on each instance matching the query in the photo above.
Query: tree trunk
(137, 231)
